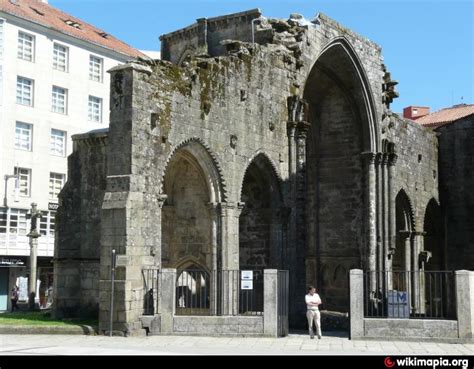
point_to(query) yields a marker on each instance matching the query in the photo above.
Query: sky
(428, 45)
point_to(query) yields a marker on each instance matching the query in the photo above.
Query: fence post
(465, 303)
(167, 299)
(270, 302)
(356, 314)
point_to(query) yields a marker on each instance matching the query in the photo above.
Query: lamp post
(33, 235)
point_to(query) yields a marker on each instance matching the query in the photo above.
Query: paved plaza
(295, 344)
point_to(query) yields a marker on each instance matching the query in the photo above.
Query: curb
(33, 329)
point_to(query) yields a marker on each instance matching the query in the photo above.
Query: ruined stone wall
(185, 137)
(78, 227)
(456, 176)
(205, 36)
(416, 167)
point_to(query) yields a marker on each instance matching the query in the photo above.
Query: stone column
(371, 221)
(356, 315)
(418, 275)
(230, 213)
(167, 299)
(270, 302)
(392, 214)
(465, 303)
(214, 211)
(379, 202)
(300, 207)
(385, 216)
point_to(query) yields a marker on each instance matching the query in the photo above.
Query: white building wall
(39, 160)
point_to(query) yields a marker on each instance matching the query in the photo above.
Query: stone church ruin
(254, 144)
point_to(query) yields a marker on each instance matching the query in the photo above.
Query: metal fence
(219, 292)
(409, 294)
(151, 281)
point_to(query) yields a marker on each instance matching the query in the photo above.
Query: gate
(282, 312)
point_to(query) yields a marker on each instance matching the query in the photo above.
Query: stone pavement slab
(294, 344)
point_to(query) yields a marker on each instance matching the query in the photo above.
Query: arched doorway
(433, 237)
(439, 284)
(341, 129)
(261, 235)
(403, 255)
(193, 290)
(189, 221)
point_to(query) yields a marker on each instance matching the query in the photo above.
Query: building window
(59, 100)
(23, 136)
(26, 46)
(46, 223)
(95, 109)
(24, 91)
(13, 221)
(95, 68)
(25, 181)
(58, 142)
(56, 182)
(60, 57)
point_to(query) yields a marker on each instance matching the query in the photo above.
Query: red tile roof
(446, 116)
(48, 16)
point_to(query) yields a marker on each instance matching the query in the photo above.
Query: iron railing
(218, 292)
(409, 294)
(151, 282)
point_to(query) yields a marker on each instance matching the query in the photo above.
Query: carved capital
(290, 128)
(392, 159)
(368, 157)
(302, 129)
(378, 158)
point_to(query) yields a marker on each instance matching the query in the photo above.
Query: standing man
(312, 302)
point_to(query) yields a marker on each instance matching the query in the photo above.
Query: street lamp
(33, 235)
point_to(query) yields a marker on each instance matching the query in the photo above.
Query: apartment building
(53, 84)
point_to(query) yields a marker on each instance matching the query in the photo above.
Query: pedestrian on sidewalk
(313, 301)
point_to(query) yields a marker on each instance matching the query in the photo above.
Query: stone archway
(433, 229)
(189, 220)
(402, 255)
(342, 128)
(260, 223)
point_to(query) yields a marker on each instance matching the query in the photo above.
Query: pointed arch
(195, 148)
(433, 230)
(338, 54)
(404, 212)
(264, 163)
(260, 222)
(343, 124)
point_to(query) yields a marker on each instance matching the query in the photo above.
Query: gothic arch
(193, 183)
(260, 222)
(264, 162)
(365, 98)
(343, 125)
(197, 148)
(402, 256)
(433, 231)
(403, 202)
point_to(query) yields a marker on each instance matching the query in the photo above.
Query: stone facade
(456, 168)
(228, 154)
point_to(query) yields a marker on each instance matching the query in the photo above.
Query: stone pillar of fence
(356, 288)
(465, 303)
(167, 299)
(270, 302)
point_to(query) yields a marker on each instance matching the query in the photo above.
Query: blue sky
(428, 45)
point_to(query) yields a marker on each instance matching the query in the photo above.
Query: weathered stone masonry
(227, 155)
